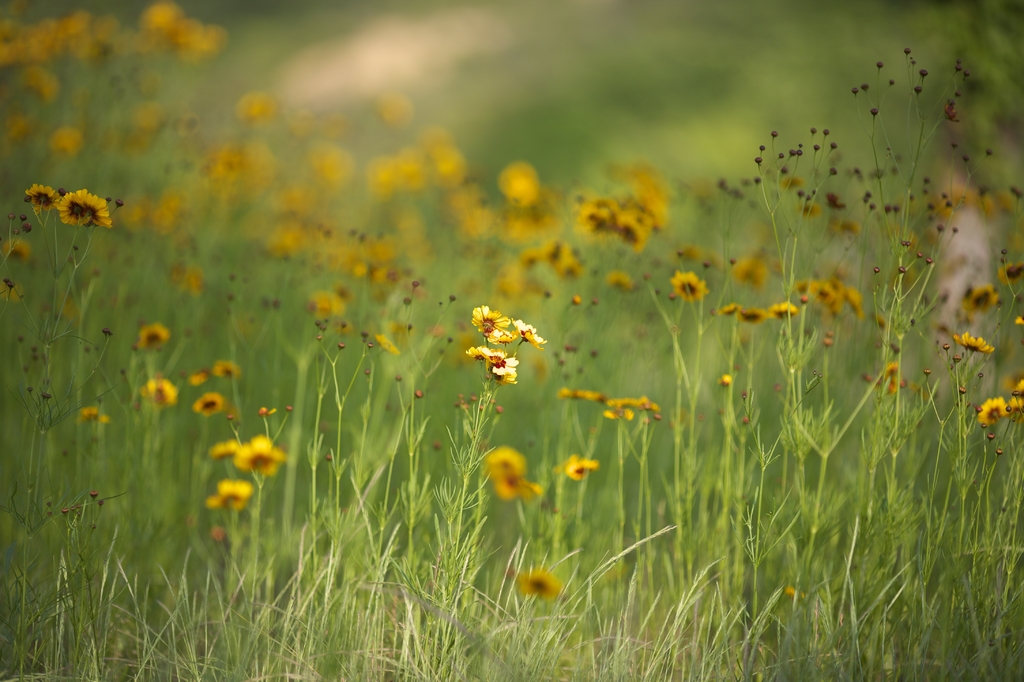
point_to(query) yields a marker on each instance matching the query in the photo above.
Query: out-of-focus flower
(160, 392)
(230, 493)
(153, 336)
(539, 583)
(209, 404)
(260, 454)
(689, 287)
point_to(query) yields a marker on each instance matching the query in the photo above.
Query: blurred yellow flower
(540, 583)
(387, 344)
(326, 304)
(725, 380)
(209, 404)
(394, 109)
(980, 299)
(619, 413)
(781, 311)
(199, 377)
(92, 414)
(520, 184)
(1011, 273)
(260, 454)
(992, 410)
(66, 141)
(750, 270)
(230, 493)
(19, 250)
(753, 315)
(256, 108)
(577, 467)
(620, 279)
(226, 368)
(227, 448)
(153, 336)
(160, 391)
(506, 467)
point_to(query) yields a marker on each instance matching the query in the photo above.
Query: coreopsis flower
(83, 208)
(160, 392)
(781, 311)
(506, 467)
(226, 368)
(577, 467)
(260, 454)
(502, 367)
(540, 583)
(487, 320)
(689, 286)
(153, 335)
(1019, 319)
(520, 184)
(582, 394)
(973, 343)
(753, 315)
(620, 279)
(387, 344)
(750, 270)
(66, 141)
(992, 410)
(224, 449)
(42, 197)
(256, 108)
(92, 414)
(326, 304)
(199, 377)
(641, 403)
(619, 413)
(730, 309)
(529, 334)
(230, 493)
(1011, 273)
(725, 380)
(501, 336)
(209, 404)
(980, 299)
(892, 374)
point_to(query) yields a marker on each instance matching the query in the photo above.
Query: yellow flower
(227, 448)
(326, 304)
(729, 309)
(619, 413)
(539, 582)
(753, 315)
(980, 299)
(781, 311)
(1011, 273)
(66, 141)
(83, 208)
(92, 414)
(386, 344)
(992, 410)
(199, 378)
(750, 270)
(209, 404)
(520, 184)
(260, 454)
(159, 390)
(42, 198)
(500, 365)
(973, 343)
(20, 250)
(256, 108)
(529, 334)
(226, 368)
(1019, 319)
(501, 336)
(580, 394)
(487, 320)
(577, 467)
(620, 279)
(153, 335)
(506, 467)
(725, 380)
(689, 286)
(230, 493)
(641, 403)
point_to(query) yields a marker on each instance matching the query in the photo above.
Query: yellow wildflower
(92, 414)
(226, 368)
(725, 380)
(980, 299)
(198, 378)
(386, 344)
(689, 286)
(620, 279)
(973, 343)
(781, 311)
(991, 411)
(230, 493)
(227, 448)
(577, 467)
(160, 391)
(260, 454)
(66, 141)
(42, 198)
(529, 334)
(520, 184)
(209, 404)
(750, 270)
(83, 208)
(540, 583)
(487, 320)
(153, 335)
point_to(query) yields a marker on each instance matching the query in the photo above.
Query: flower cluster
(501, 331)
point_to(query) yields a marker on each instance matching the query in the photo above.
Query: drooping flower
(209, 404)
(689, 286)
(540, 583)
(230, 493)
(153, 336)
(973, 343)
(42, 198)
(160, 391)
(260, 454)
(577, 467)
(83, 208)
(529, 334)
(992, 410)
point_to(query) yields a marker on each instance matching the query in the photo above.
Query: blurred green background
(692, 87)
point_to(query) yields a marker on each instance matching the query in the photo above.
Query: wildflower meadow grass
(278, 405)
